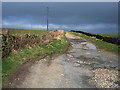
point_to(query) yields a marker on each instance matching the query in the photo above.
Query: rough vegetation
(13, 42)
(19, 49)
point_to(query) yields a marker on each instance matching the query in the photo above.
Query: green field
(24, 31)
(110, 35)
(99, 43)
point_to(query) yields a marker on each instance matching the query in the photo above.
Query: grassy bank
(10, 63)
(99, 43)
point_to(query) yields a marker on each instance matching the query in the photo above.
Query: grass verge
(10, 63)
(99, 43)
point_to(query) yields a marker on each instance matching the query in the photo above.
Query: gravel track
(75, 69)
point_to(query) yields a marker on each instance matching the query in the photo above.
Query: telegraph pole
(31, 26)
(47, 17)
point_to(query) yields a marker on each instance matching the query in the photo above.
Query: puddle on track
(79, 62)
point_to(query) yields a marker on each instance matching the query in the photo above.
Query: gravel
(105, 78)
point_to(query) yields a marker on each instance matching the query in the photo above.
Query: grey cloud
(69, 13)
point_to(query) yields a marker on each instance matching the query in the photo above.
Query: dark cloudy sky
(95, 17)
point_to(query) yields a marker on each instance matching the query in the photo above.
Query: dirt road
(70, 70)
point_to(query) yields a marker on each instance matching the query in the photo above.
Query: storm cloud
(93, 17)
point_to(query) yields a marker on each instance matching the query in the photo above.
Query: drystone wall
(106, 39)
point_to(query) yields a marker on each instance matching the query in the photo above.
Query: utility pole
(47, 17)
(31, 26)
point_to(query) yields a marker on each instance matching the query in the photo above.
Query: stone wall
(15, 42)
(106, 39)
